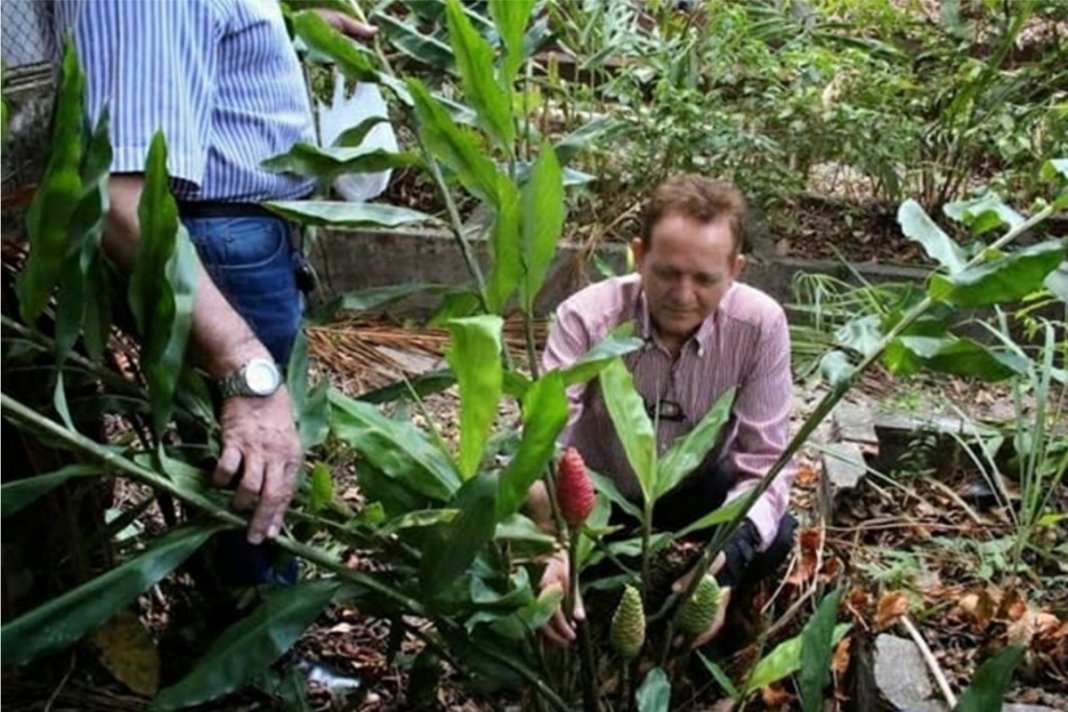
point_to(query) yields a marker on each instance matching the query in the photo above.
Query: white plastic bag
(343, 113)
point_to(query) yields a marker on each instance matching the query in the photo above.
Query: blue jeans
(252, 260)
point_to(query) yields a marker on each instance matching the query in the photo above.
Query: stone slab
(843, 465)
(901, 675)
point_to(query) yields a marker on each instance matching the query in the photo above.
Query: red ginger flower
(574, 490)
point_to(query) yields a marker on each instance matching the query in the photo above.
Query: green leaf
(983, 214)
(456, 149)
(474, 60)
(399, 450)
(426, 384)
(458, 542)
(784, 660)
(817, 646)
(507, 267)
(1057, 282)
(917, 226)
(326, 164)
(576, 141)
(590, 363)
(475, 357)
(377, 297)
(961, 357)
(511, 18)
(17, 494)
(632, 424)
(49, 215)
(863, 334)
(338, 213)
(355, 135)
(991, 681)
(409, 40)
(63, 620)
(541, 225)
(248, 647)
(721, 678)
(654, 694)
(162, 285)
(686, 453)
(545, 411)
(1003, 280)
(607, 487)
(419, 518)
(353, 61)
(725, 513)
(837, 370)
(322, 488)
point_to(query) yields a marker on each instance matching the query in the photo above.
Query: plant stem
(823, 409)
(647, 533)
(587, 671)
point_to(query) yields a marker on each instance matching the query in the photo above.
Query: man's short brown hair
(703, 199)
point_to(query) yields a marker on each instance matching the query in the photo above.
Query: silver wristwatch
(259, 378)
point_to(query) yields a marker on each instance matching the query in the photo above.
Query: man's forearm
(221, 340)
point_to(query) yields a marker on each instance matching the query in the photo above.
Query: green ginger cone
(700, 610)
(628, 624)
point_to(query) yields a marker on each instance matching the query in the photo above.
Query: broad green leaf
(784, 660)
(63, 620)
(17, 494)
(474, 61)
(654, 694)
(519, 591)
(991, 681)
(511, 18)
(1057, 282)
(338, 213)
(537, 613)
(353, 61)
(1055, 166)
(817, 646)
(455, 305)
(89, 217)
(49, 215)
(1003, 280)
(426, 384)
(606, 487)
(355, 135)
(544, 416)
(961, 357)
(687, 453)
(475, 357)
(632, 424)
(398, 450)
(450, 553)
(521, 532)
(507, 269)
(456, 149)
(542, 222)
(162, 285)
(721, 678)
(409, 40)
(863, 334)
(983, 214)
(837, 370)
(419, 518)
(375, 298)
(590, 363)
(322, 488)
(326, 164)
(598, 127)
(917, 226)
(248, 647)
(725, 513)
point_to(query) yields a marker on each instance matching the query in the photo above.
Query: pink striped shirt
(745, 343)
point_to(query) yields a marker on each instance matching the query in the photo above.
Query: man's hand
(713, 629)
(259, 441)
(346, 25)
(559, 630)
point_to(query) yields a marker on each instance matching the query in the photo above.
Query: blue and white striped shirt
(219, 77)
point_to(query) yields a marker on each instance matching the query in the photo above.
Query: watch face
(261, 376)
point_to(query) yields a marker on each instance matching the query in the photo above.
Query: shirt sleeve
(762, 412)
(152, 65)
(567, 341)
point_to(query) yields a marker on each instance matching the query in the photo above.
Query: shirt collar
(701, 339)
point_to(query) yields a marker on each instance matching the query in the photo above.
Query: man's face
(686, 269)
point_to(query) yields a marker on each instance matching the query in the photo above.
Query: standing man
(220, 78)
(704, 333)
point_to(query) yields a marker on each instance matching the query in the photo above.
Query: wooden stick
(929, 658)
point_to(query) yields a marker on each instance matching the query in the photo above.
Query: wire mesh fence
(26, 33)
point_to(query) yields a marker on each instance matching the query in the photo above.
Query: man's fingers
(682, 583)
(717, 563)
(226, 467)
(248, 490)
(272, 501)
(580, 607)
(717, 622)
(355, 29)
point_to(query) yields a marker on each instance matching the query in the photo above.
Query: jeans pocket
(254, 243)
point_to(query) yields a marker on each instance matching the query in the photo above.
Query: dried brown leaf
(892, 605)
(125, 647)
(775, 696)
(840, 659)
